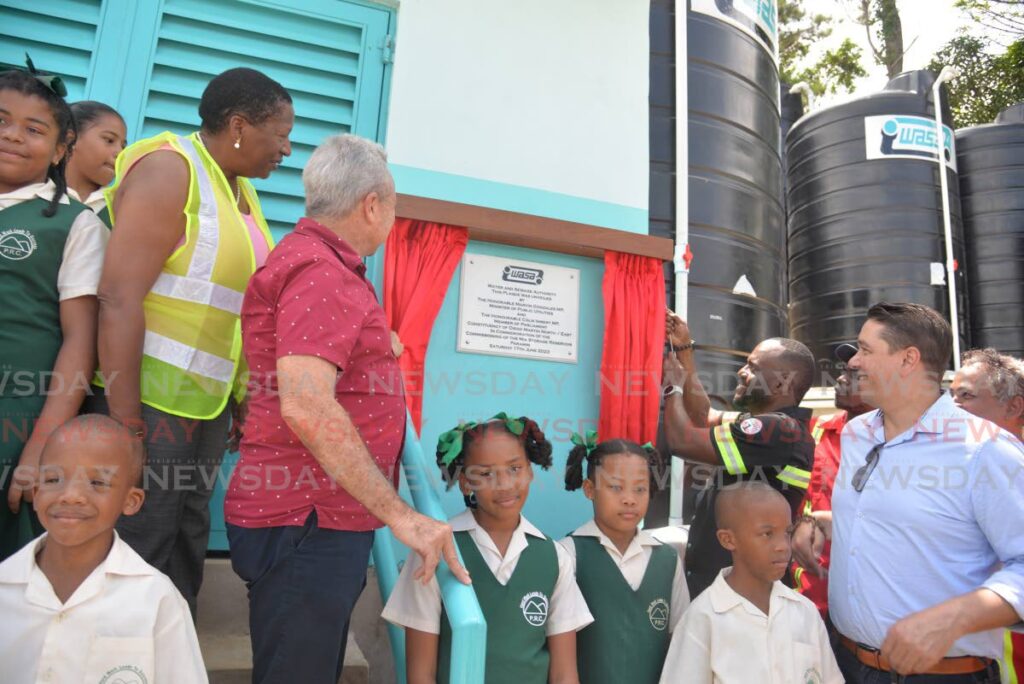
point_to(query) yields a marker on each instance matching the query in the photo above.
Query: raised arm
(684, 438)
(695, 398)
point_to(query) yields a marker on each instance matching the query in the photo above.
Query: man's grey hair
(1005, 373)
(341, 172)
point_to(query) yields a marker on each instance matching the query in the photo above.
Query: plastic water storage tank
(991, 163)
(737, 284)
(865, 212)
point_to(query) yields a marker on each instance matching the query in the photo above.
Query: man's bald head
(733, 503)
(122, 446)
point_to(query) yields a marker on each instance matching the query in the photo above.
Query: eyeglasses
(860, 478)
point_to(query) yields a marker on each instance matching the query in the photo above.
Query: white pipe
(947, 74)
(803, 87)
(682, 274)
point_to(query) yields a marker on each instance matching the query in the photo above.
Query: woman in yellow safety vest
(187, 233)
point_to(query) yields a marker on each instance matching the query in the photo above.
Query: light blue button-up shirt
(941, 515)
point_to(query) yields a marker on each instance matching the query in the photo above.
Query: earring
(238, 143)
(470, 499)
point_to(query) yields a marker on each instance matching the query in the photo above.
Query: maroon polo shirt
(312, 298)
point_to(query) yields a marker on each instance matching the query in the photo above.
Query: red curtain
(634, 335)
(419, 260)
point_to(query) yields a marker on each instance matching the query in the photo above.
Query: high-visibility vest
(192, 352)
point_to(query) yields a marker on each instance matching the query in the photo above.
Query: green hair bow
(589, 442)
(51, 81)
(449, 444)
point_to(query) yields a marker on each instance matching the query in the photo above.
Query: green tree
(1001, 20)
(881, 19)
(799, 31)
(987, 83)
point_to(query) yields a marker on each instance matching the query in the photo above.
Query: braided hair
(535, 444)
(25, 83)
(612, 447)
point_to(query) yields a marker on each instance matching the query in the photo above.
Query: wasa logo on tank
(907, 137)
(16, 244)
(658, 613)
(535, 608)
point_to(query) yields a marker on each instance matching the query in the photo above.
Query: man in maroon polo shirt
(325, 425)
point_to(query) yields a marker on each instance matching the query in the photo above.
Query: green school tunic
(31, 253)
(629, 637)
(516, 614)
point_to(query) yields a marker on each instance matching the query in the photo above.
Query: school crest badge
(811, 676)
(535, 608)
(17, 244)
(126, 674)
(658, 613)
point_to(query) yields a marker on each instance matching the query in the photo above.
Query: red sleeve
(320, 312)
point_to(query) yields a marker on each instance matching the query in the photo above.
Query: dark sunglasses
(860, 478)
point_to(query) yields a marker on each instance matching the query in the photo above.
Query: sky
(927, 26)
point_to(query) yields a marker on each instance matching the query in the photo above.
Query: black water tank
(991, 164)
(736, 216)
(865, 212)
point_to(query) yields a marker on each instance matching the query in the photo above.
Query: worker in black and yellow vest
(187, 235)
(51, 251)
(102, 134)
(633, 584)
(769, 440)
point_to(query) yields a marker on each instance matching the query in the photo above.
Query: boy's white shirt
(418, 606)
(788, 645)
(633, 564)
(125, 615)
(96, 201)
(80, 269)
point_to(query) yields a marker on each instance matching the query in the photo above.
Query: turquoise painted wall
(561, 397)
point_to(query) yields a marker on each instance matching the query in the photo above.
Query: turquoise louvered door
(329, 55)
(60, 35)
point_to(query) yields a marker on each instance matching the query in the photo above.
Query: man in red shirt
(826, 430)
(325, 425)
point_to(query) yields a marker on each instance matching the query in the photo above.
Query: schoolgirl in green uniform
(633, 584)
(102, 134)
(522, 579)
(51, 254)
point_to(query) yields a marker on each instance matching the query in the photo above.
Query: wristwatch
(669, 390)
(684, 347)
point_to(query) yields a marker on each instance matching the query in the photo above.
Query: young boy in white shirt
(747, 626)
(77, 603)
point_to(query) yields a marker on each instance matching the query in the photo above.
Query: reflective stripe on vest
(731, 458)
(198, 292)
(192, 359)
(796, 477)
(187, 358)
(819, 428)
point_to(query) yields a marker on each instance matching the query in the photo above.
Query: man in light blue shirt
(927, 517)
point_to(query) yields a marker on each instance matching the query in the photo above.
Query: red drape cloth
(634, 336)
(419, 260)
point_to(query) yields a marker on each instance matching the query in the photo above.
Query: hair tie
(648, 446)
(51, 81)
(589, 442)
(449, 444)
